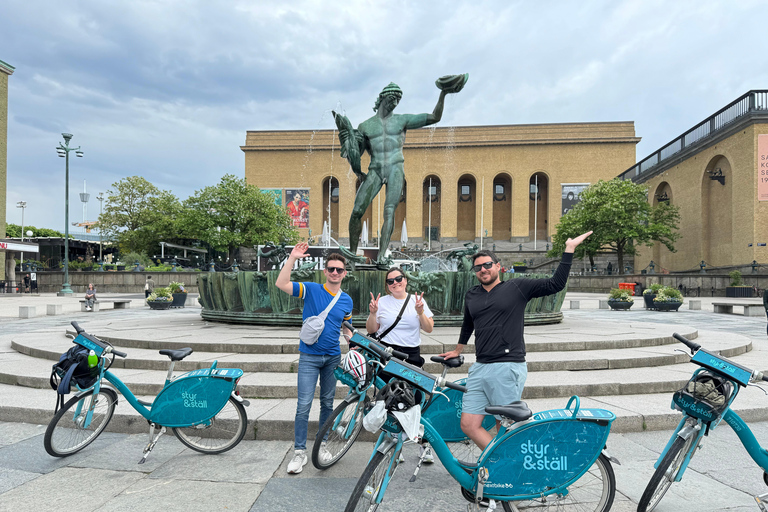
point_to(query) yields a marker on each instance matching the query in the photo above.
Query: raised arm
(421, 120)
(283, 280)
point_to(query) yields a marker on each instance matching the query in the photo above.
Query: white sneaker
(426, 453)
(325, 455)
(400, 457)
(298, 462)
(87, 308)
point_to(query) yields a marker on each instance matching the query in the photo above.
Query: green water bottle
(93, 359)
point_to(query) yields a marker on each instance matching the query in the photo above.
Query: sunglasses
(338, 270)
(395, 279)
(487, 266)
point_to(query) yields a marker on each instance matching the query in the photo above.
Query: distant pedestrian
(149, 287)
(26, 283)
(765, 304)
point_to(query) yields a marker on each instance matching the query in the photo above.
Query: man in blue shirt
(322, 357)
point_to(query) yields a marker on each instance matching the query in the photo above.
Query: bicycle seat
(176, 355)
(454, 362)
(516, 411)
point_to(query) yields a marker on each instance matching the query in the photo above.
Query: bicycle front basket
(705, 396)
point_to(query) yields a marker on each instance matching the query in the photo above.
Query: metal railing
(752, 101)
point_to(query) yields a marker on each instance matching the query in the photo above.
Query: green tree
(232, 214)
(14, 231)
(138, 215)
(622, 219)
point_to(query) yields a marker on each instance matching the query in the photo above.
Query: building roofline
(6, 68)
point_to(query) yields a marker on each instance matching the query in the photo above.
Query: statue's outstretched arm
(448, 84)
(351, 143)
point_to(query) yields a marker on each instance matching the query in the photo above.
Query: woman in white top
(405, 336)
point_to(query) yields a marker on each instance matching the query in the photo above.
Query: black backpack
(73, 364)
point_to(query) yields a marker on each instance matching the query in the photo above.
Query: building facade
(6, 70)
(717, 174)
(508, 184)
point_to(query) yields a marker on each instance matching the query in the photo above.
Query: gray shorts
(493, 384)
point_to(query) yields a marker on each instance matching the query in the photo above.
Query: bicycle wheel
(594, 491)
(66, 434)
(369, 486)
(665, 474)
(341, 429)
(220, 433)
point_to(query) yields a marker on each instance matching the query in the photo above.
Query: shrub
(668, 294)
(161, 294)
(620, 295)
(176, 287)
(736, 279)
(653, 289)
(130, 259)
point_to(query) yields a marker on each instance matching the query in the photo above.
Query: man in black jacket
(495, 312)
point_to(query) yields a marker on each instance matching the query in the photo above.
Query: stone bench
(694, 304)
(27, 312)
(118, 304)
(575, 304)
(603, 304)
(750, 309)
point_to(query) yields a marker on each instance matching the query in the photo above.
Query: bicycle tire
(594, 491)
(662, 478)
(222, 433)
(64, 436)
(335, 445)
(369, 484)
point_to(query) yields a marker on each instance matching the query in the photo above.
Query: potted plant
(650, 293)
(668, 299)
(620, 299)
(519, 266)
(179, 294)
(737, 287)
(120, 266)
(160, 298)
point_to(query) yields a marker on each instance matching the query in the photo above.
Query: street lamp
(23, 206)
(100, 197)
(63, 151)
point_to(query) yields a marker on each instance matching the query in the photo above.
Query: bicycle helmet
(398, 396)
(354, 364)
(711, 388)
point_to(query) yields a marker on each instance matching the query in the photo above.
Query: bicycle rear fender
(194, 397)
(545, 454)
(445, 415)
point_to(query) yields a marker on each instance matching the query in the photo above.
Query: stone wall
(114, 282)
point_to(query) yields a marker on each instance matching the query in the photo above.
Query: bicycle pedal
(761, 500)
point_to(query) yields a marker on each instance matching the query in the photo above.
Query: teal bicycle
(339, 432)
(202, 407)
(705, 401)
(551, 460)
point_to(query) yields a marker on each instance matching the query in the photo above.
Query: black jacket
(497, 317)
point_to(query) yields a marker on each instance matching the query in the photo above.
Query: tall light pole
(23, 206)
(63, 151)
(100, 197)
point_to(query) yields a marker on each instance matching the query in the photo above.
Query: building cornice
(6, 68)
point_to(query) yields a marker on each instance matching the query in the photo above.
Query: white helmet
(354, 365)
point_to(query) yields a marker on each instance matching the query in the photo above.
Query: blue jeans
(310, 368)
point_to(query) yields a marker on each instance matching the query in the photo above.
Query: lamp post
(100, 197)
(23, 206)
(63, 151)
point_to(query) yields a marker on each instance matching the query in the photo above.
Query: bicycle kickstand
(761, 500)
(152, 441)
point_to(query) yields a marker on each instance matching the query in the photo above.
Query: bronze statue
(275, 254)
(463, 256)
(383, 136)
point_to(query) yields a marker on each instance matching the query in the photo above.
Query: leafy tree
(622, 219)
(232, 214)
(138, 215)
(14, 231)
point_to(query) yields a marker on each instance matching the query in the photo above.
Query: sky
(167, 89)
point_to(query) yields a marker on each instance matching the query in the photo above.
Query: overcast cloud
(167, 89)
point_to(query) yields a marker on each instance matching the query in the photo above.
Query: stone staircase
(631, 369)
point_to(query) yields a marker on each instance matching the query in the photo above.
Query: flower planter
(179, 300)
(619, 305)
(738, 291)
(648, 299)
(160, 304)
(120, 267)
(520, 268)
(667, 306)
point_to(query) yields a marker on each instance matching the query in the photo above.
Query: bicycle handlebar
(690, 344)
(373, 345)
(78, 329)
(118, 353)
(453, 385)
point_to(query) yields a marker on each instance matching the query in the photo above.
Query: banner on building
(762, 167)
(276, 193)
(571, 195)
(297, 206)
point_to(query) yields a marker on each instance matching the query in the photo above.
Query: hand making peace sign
(373, 307)
(419, 303)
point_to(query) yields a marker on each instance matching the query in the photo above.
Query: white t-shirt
(406, 332)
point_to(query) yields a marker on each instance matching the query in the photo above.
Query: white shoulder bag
(314, 325)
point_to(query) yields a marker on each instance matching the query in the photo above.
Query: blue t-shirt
(316, 298)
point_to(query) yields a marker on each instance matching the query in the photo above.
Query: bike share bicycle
(549, 460)
(202, 407)
(705, 401)
(341, 429)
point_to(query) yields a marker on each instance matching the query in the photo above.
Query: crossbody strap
(330, 306)
(397, 320)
